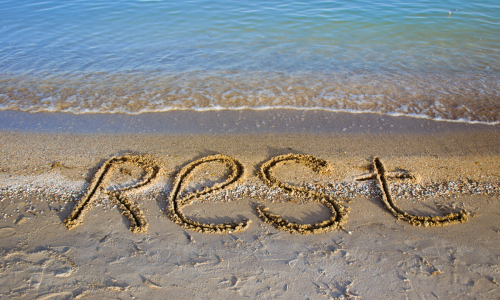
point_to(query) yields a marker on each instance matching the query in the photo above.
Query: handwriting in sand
(339, 214)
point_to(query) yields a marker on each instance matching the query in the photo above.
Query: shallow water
(362, 56)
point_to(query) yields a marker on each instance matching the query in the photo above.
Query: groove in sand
(138, 222)
(416, 220)
(176, 203)
(320, 166)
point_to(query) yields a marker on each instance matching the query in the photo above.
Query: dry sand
(448, 167)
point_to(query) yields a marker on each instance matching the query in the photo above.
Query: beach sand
(48, 162)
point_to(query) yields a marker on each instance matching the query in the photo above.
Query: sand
(213, 241)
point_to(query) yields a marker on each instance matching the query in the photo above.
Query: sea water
(432, 59)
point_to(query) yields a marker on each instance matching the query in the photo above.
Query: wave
(467, 97)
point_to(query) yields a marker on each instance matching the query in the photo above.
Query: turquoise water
(362, 56)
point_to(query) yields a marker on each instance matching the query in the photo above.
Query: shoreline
(231, 122)
(46, 170)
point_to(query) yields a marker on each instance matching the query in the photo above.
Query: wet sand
(432, 168)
